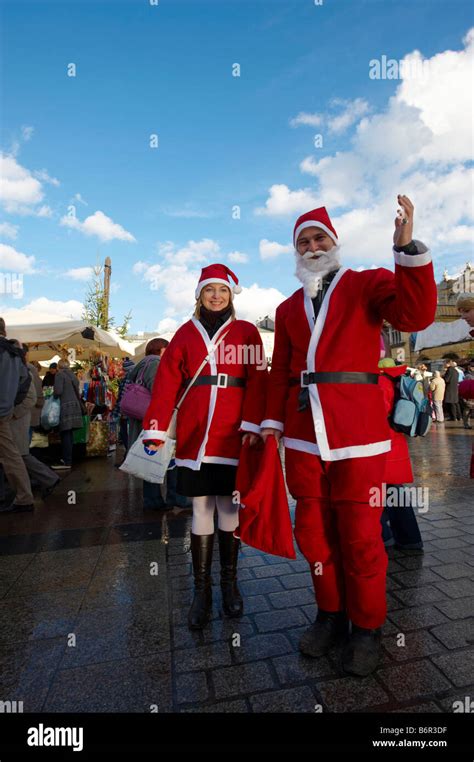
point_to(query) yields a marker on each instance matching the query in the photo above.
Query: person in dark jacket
(152, 496)
(451, 395)
(13, 373)
(48, 380)
(66, 388)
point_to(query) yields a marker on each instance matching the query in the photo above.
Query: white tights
(203, 514)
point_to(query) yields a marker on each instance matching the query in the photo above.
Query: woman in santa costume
(222, 409)
(327, 345)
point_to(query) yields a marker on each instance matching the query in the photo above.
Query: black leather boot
(362, 653)
(201, 552)
(328, 627)
(232, 602)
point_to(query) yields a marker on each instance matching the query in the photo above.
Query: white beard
(310, 272)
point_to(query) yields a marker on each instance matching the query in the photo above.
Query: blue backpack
(411, 412)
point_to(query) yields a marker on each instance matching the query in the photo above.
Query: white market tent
(45, 339)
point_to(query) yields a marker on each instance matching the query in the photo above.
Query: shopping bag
(50, 413)
(98, 443)
(146, 464)
(81, 436)
(39, 440)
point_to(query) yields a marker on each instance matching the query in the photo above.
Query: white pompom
(237, 289)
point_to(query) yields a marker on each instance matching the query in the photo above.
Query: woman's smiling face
(215, 296)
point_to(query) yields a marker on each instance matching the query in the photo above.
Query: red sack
(264, 516)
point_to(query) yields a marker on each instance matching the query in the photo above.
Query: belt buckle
(222, 379)
(302, 382)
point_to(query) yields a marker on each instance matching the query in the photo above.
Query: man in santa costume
(323, 397)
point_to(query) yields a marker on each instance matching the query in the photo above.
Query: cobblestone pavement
(87, 625)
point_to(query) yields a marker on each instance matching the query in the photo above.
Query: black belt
(222, 380)
(334, 377)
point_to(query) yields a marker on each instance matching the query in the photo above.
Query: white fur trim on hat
(315, 224)
(235, 289)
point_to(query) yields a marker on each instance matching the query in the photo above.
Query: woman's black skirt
(211, 479)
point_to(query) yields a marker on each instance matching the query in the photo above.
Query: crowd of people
(330, 397)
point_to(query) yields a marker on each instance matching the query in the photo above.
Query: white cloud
(351, 113)
(8, 230)
(99, 225)
(43, 175)
(418, 145)
(80, 273)
(238, 257)
(177, 275)
(18, 189)
(303, 118)
(44, 211)
(284, 201)
(256, 302)
(272, 249)
(167, 325)
(42, 310)
(15, 261)
(27, 132)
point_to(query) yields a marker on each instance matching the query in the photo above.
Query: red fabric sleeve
(165, 393)
(406, 299)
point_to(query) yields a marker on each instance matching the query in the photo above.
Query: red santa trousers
(338, 532)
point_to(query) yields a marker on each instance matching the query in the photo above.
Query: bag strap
(212, 350)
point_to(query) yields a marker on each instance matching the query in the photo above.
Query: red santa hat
(318, 218)
(218, 274)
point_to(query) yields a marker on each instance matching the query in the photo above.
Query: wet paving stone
(421, 679)
(417, 618)
(242, 680)
(415, 645)
(455, 634)
(297, 700)
(261, 647)
(87, 573)
(27, 669)
(351, 694)
(132, 685)
(297, 668)
(458, 667)
(192, 687)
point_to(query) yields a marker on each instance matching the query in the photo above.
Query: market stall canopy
(47, 339)
(438, 334)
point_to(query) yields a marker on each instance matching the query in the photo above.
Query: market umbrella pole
(107, 275)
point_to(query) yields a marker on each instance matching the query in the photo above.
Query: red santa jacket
(210, 417)
(344, 420)
(398, 464)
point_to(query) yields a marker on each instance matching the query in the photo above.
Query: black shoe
(324, 633)
(232, 602)
(361, 655)
(14, 508)
(61, 466)
(201, 552)
(409, 551)
(46, 492)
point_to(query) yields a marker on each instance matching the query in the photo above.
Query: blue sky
(162, 213)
